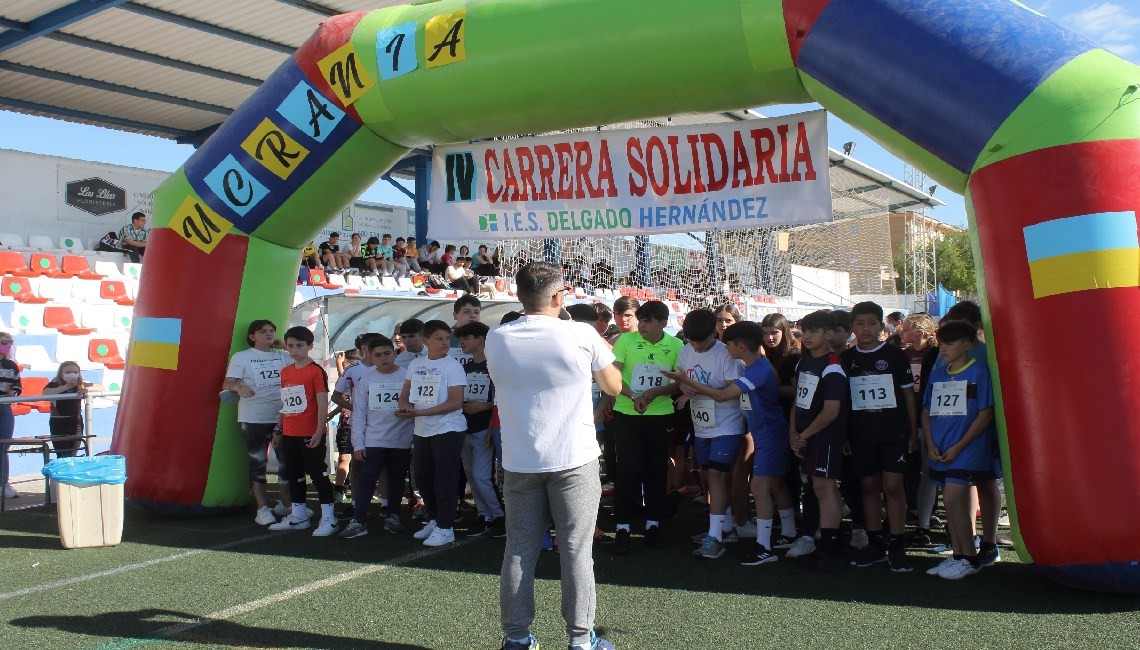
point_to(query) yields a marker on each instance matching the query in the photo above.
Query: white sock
(728, 518)
(764, 533)
(716, 524)
(624, 527)
(327, 511)
(299, 512)
(788, 523)
(649, 523)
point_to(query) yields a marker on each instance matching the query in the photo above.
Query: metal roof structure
(176, 69)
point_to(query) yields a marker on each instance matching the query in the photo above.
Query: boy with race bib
(882, 430)
(380, 440)
(818, 430)
(957, 410)
(643, 422)
(433, 396)
(478, 455)
(255, 375)
(304, 406)
(717, 425)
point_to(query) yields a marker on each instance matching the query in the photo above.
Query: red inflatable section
(799, 16)
(1075, 443)
(333, 33)
(206, 305)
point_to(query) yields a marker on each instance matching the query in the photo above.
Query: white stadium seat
(109, 270)
(355, 282)
(12, 241)
(131, 270)
(123, 318)
(58, 290)
(405, 284)
(41, 242)
(112, 380)
(36, 357)
(98, 317)
(87, 291)
(387, 283)
(29, 319)
(71, 244)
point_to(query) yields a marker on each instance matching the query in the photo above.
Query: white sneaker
(282, 510)
(958, 569)
(264, 516)
(440, 537)
(747, 529)
(859, 538)
(10, 492)
(289, 523)
(426, 531)
(326, 528)
(803, 546)
(937, 568)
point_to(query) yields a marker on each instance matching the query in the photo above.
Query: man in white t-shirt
(542, 368)
(255, 375)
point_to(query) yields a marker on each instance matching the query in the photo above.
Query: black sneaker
(820, 562)
(921, 538)
(482, 528)
(653, 537)
(869, 556)
(622, 543)
(347, 512)
(758, 555)
(989, 554)
(783, 542)
(498, 527)
(897, 559)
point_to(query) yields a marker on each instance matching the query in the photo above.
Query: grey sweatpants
(570, 498)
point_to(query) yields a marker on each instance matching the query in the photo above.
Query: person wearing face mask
(66, 420)
(9, 387)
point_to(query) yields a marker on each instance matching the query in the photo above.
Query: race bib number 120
(293, 400)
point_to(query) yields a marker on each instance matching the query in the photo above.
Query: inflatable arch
(1037, 126)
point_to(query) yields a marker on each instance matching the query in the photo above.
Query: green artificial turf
(448, 600)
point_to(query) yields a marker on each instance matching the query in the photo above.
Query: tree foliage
(955, 264)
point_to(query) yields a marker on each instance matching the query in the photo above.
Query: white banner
(755, 173)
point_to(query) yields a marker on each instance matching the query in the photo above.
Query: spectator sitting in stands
(370, 254)
(309, 256)
(456, 276)
(333, 259)
(448, 257)
(430, 258)
(385, 257)
(355, 256)
(482, 263)
(412, 255)
(133, 236)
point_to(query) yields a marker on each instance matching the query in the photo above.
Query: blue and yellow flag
(1091, 251)
(154, 343)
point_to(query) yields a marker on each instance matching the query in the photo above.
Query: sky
(1114, 24)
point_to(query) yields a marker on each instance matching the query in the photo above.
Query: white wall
(33, 201)
(820, 286)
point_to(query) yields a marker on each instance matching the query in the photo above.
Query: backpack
(109, 243)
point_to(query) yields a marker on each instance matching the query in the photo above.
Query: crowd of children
(843, 415)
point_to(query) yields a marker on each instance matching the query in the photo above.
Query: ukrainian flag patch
(1091, 251)
(155, 343)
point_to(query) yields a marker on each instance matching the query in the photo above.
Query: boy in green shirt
(643, 422)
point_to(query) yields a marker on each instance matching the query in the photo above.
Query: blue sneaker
(531, 643)
(547, 541)
(595, 643)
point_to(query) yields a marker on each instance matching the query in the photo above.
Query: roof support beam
(112, 87)
(100, 120)
(109, 48)
(311, 6)
(197, 138)
(208, 28)
(55, 20)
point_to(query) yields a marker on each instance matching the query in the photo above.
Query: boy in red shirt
(301, 434)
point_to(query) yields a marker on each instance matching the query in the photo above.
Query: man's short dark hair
(824, 319)
(749, 334)
(352, 355)
(474, 328)
(138, 215)
(380, 341)
(869, 308)
(654, 310)
(699, 324)
(626, 303)
(537, 282)
(364, 339)
(412, 326)
(957, 330)
(510, 317)
(967, 310)
(603, 311)
(465, 300)
(895, 317)
(433, 326)
(842, 319)
(583, 313)
(299, 333)
(334, 234)
(255, 326)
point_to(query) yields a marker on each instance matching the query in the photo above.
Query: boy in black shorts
(818, 430)
(882, 432)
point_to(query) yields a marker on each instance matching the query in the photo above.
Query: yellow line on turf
(130, 567)
(172, 631)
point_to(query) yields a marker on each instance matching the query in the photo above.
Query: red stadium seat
(626, 291)
(20, 290)
(35, 386)
(76, 266)
(106, 352)
(12, 263)
(61, 318)
(44, 264)
(115, 290)
(317, 279)
(671, 295)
